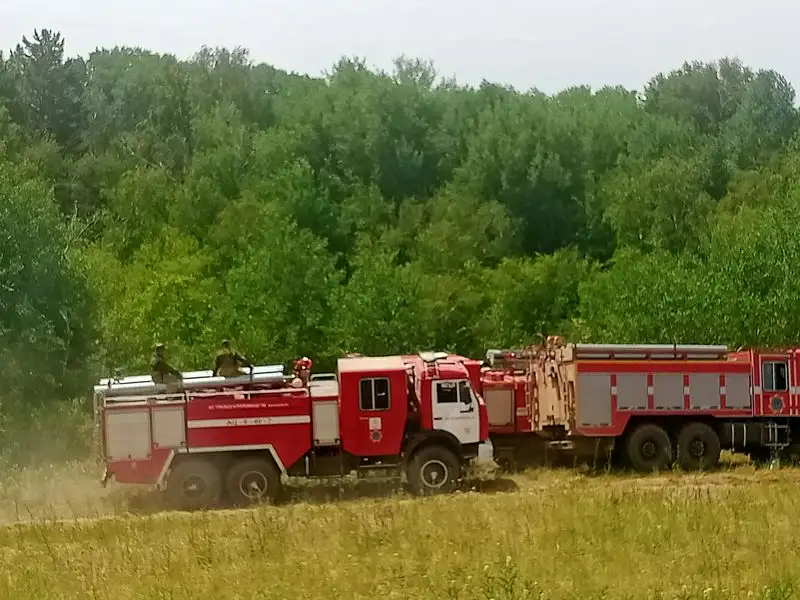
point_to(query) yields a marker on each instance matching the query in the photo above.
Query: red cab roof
(371, 364)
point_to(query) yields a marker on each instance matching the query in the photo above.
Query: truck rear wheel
(433, 470)
(698, 447)
(194, 484)
(648, 449)
(252, 480)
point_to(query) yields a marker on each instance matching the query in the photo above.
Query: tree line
(145, 198)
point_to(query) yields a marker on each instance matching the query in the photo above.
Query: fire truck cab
(417, 416)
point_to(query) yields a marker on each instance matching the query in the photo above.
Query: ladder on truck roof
(649, 352)
(431, 361)
(518, 358)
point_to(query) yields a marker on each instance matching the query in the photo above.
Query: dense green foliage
(146, 199)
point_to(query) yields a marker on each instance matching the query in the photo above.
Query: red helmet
(303, 363)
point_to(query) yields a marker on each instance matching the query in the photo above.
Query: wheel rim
(194, 486)
(253, 485)
(649, 449)
(697, 448)
(434, 474)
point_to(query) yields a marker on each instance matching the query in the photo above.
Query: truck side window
(773, 376)
(374, 394)
(446, 392)
(464, 392)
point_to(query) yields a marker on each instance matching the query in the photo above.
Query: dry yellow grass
(543, 534)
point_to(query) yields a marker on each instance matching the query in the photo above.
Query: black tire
(194, 484)
(649, 449)
(433, 470)
(252, 480)
(698, 447)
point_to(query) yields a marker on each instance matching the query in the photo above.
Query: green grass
(542, 534)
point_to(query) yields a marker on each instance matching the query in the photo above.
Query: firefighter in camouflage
(229, 360)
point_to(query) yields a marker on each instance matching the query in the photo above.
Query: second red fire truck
(649, 406)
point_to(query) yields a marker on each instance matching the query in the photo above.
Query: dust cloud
(63, 492)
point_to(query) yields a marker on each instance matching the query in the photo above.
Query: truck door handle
(438, 418)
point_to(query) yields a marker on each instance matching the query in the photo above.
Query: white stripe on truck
(249, 421)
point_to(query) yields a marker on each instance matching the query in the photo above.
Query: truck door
(455, 409)
(775, 385)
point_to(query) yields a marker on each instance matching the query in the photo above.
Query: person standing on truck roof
(229, 360)
(302, 371)
(160, 370)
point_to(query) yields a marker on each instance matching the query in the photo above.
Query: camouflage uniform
(228, 361)
(161, 371)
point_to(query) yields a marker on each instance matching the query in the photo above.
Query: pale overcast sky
(548, 44)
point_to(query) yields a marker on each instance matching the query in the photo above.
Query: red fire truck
(650, 406)
(208, 437)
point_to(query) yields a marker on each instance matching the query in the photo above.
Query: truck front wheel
(649, 449)
(194, 484)
(433, 470)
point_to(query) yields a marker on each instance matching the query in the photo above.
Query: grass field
(542, 534)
